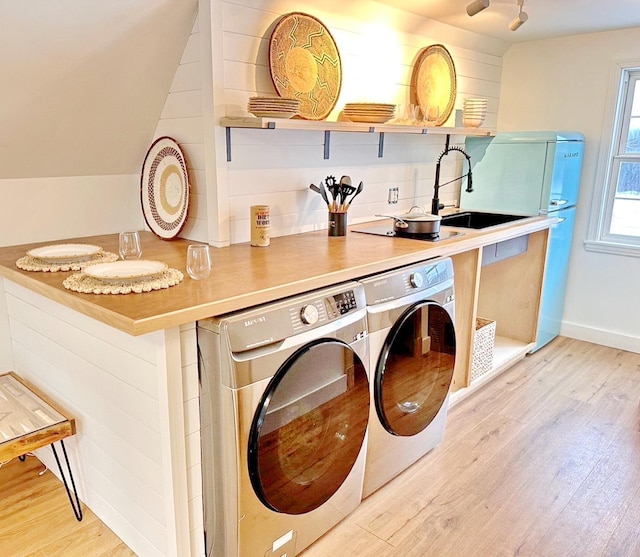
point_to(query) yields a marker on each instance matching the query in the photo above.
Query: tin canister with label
(260, 223)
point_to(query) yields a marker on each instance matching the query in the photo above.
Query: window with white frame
(615, 218)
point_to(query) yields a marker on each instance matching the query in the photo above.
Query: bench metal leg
(75, 505)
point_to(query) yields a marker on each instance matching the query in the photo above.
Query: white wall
(378, 46)
(182, 120)
(49, 209)
(562, 84)
(222, 65)
(82, 90)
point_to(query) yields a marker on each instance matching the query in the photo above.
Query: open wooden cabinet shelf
(508, 292)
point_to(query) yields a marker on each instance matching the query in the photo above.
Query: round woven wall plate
(164, 188)
(304, 63)
(433, 82)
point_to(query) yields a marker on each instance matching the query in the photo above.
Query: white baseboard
(600, 336)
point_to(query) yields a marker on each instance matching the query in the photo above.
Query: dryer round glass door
(415, 369)
(309, 427)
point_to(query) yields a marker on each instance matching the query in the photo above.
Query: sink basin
(477, 219)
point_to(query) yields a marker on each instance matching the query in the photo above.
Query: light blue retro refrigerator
(532, 173)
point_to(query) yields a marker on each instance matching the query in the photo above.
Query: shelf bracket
(228, 140)
(327, 144)
(381, 145)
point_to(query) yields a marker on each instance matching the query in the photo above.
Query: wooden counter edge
(469, 240)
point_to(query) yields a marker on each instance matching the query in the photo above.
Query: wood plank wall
(111, 383)
(378, 46)
(182, 120)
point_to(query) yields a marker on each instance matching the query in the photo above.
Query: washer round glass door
(415, 369)
(309, 427)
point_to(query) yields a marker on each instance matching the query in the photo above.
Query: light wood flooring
(543, 461)
(36, 518)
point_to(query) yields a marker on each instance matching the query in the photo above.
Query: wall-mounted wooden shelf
(327, 127)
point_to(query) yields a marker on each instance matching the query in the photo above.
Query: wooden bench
(28, 421)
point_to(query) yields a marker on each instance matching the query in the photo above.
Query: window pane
(633, 139)
(625, 218)
(629, 179)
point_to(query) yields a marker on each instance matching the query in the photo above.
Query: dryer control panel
(408, 280)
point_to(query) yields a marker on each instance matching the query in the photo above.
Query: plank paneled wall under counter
(132, 468)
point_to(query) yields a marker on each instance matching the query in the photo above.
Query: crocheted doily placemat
(28, 263)
(79, 282)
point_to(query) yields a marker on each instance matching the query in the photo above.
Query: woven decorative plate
(433, 82)
(164, 188)
(304, 63)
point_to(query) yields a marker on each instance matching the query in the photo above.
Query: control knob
(416, 280)
(309, 315)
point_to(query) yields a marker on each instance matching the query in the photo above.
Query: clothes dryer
(284, 413)
(412, 346)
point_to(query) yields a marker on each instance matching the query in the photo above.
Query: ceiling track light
(517, 21)
(477, 6)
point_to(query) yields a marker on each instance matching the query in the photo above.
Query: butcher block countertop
(243, 275)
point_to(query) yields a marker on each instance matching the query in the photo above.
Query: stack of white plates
(273, 107)
(376, 113)
(474, 112)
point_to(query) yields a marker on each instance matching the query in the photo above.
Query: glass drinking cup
(129, 245)
(198, 261)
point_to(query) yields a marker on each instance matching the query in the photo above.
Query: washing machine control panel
(416, 280)
(271, 323)
(309, 314)
(340, 304)
(324, 309)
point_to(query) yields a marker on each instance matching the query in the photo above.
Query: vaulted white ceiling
(82, 84)
(547, 18)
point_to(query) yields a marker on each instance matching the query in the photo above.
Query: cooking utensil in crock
(417, 222)
(345, 191)
(321, 191)
(358, 190)
(333, 188)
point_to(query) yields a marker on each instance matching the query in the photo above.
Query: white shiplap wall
(191, 399)
(135, 456)
(378, 45)
(181, 119)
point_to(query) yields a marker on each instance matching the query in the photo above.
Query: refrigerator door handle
(558, 202)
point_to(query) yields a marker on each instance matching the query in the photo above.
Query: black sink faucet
(435, 203)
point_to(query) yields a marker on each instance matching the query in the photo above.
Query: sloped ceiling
(547, 18)
(82, 84)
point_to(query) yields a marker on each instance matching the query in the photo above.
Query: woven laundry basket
(483, 342)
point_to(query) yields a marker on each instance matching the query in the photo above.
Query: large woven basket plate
(304, 63)
(164, 188)
(433, 82)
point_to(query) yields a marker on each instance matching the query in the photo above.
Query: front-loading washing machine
(412, 348)
(284, 405)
